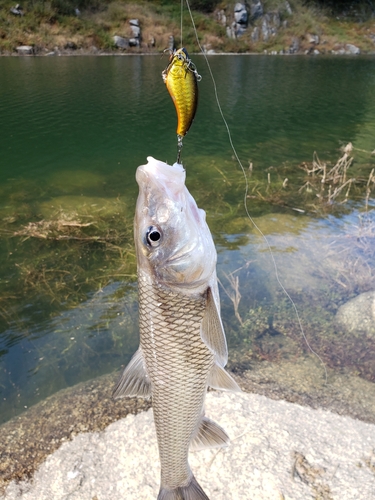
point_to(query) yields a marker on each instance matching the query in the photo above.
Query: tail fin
(192, 491)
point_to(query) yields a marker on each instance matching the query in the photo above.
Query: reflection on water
(74, 131)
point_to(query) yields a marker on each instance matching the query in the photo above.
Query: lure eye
(153, 236)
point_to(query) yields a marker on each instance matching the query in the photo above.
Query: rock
(294, 48)
(136, 32)
(240, 14)
(17, 10)
(256, 10)
(288, 8)
(25, 50)
(352, 49)
(313, 39)
(120, 42)
(70, 46)
(255, 34)
(221, 17)
(316, 52)
(358, 315)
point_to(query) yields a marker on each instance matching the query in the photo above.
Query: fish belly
(178, 363)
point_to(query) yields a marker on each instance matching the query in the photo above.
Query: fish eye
(153, 236)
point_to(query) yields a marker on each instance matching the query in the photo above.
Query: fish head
(173, 242)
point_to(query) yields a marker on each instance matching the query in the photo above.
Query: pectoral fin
(134, 380)
(209, 435)
(212, 331)
(218, 378)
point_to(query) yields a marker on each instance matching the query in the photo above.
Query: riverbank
(278, 450)
(107, 27)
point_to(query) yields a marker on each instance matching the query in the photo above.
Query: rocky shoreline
(278, 450)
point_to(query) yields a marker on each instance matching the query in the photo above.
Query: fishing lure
(181, 77)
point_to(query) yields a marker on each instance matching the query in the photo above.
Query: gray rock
(17, 10)
(240, 14)
(255, 34)
(313, 39)
(136, 31)
(231, 31)
(25, 50)
(316, 52)
(352, 49)
(134, 22)
(358, 315)
(256, 10)
(294, 48)
(133, 42)
(221, 17)
(120, 42)
(288, 8)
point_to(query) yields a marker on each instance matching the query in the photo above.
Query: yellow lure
(181, 77)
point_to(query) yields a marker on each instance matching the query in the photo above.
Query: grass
(46, 25)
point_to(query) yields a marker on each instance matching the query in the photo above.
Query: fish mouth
(167, 178)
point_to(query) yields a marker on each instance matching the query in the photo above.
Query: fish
(181, 77)
(183, 348)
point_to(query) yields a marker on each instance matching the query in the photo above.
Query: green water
(74, 130)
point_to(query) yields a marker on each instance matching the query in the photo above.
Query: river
(73, 131)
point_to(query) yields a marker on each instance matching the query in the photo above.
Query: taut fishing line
(247, 190)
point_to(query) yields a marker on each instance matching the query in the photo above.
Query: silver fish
(182, 348)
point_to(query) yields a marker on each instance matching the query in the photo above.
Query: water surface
(74, 130)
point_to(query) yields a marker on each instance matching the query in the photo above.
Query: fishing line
(182, 11)
(245, 197)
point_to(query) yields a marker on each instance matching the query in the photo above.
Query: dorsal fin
(212, 331)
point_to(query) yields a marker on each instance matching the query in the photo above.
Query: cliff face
(260, 26)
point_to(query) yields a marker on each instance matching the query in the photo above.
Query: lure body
(180, 77)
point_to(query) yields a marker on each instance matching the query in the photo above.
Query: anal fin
(134, 380)
(209, 435)
(219, 379)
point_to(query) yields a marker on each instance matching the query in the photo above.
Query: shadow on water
(68, 304)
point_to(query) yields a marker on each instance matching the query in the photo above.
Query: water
(74, 130)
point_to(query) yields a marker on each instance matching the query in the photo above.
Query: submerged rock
(358, 315)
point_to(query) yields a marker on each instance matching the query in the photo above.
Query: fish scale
(178, 363)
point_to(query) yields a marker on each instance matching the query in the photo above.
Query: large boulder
(357, 316)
